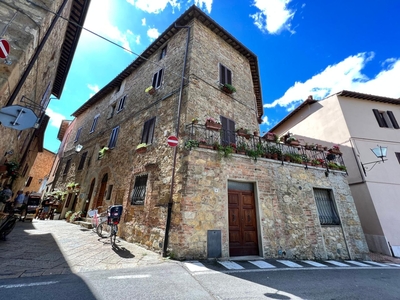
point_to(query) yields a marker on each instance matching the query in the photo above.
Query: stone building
(189, 201)
(42, 44)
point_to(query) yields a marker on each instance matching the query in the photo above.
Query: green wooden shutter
(379, 118)
(393, 119)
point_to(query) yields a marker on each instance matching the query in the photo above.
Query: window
(78, 133)
(109, 192)
(148, 131)
(82, 161)
(55, 170)
(163, 52)
(225, 75)
(113, 138)
(326, 207)
(398, 156)
(28, 182)
(68, 200)
(93, 128)
(25, 170)
(67, 165)
(139, 191)
(386, 119)
(121, 104)
(228, 131)
(157, 79)
(111, 111)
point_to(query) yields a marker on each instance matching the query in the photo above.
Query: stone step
(85, 224)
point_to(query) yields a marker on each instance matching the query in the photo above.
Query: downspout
(35, 56)
(170, 200)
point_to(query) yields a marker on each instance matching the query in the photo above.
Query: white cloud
(206, 3)
(265, 121)
(98, 21)
(144, 22)
(154, 6)
(345, 75)
(55, 118)
(153, 33)
(94, 88)
(274, 15)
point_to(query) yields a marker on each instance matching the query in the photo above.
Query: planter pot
(333, 151)
(213, 126)
(286, 158)
(268, 155)
(241, 152)
(294, 143)
(205, 146)
(226, 90)
(152, 91)
(141, 150)
(270, 137)
(243, 133)
(274, 156)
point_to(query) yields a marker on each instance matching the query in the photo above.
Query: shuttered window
(93, 128)
(228, 131)
(157, 79)
(113, 138)
(121, 104)
(398, 156)
(386, 119)
(326, 207)
(148, 131)
(78, 133)
(82, 161)
(225, 75)
(163, 52)
(67, 165)
(139, 191)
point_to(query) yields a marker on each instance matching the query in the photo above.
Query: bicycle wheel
(103, 230)
(113, 235)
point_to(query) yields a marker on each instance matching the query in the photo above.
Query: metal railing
(197, 135)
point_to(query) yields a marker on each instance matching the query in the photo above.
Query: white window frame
(121, 104)
(158, 78)
(113, 138)
(94, 124)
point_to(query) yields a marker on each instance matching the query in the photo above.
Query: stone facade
(287, 219)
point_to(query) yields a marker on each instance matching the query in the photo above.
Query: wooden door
(102, 190)
(243, 238)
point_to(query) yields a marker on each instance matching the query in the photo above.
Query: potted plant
(203, 144)
(213, 124)
(275, 152)
(70, 186)
(224, 151)
(291, 140)
(272, 137)
(335, 150)
(102, 152)
(150, 90)
(195, 120)
(243, 132)
(228, 88)
(141, 148)
(241, 148)
(333, 166)
(191, 144)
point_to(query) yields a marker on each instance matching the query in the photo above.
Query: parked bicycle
(114, 216)
(97, 219)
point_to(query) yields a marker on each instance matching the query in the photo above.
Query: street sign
(17, 117)
(4, 48)
(172, 141)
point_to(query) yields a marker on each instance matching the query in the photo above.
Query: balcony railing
(255, 146)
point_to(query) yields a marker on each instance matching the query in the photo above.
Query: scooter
(8, 223)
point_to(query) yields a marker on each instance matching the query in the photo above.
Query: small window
(139, 191)
(111, 111)
(28, 182)
(67, 165)
(148, 131)
(326, 207)
(121, 104)
(386, 119)
(109, 192)
(225, 75)
(78, 133)
(398, 156)
(82, 161)
(157, 79)
(163, 52)
(25, 170)
(113, 138)
(68, 200)
(93, 128)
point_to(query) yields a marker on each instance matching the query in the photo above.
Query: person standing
(6, 194)
(19, 200)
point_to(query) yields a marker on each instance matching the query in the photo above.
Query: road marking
(289, 263)
(195, 266)
(315, 264)
(375, 263)
(337, 263)
(10, 286)
(129, 276)
(357, 263)
(261, 264)
(231, 265)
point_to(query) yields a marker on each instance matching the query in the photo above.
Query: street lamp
(78, 148)
(380, 152)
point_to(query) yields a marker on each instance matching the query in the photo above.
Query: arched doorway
(89, 196)
(102, 190)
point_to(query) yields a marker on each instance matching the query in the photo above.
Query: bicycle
(113, 231)
(97, 218)
(114, 216)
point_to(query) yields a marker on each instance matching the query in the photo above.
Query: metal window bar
(326, 208)
(139, 191)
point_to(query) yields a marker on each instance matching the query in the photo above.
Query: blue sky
(307, 47)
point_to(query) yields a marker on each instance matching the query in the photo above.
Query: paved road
(56, 247)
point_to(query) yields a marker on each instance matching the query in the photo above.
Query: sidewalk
(57, 247)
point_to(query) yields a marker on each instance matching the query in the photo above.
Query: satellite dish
(17, 117)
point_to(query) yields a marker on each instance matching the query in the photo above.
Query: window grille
(326, 207)
(139, 191)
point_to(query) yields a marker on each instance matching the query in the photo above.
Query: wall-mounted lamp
(78, 148)
(380, 152)
(10, 152)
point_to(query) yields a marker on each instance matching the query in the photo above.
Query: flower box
(205, 146)
(141, 150)
(243, 132)
(294, 143)
(150, 90)
(213, 125)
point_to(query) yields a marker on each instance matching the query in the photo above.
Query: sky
(305, 47)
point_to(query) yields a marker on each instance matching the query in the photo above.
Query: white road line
(10, 286)
(195, 266)
(394, 265)
(289, 263)
(230, 265)
(375, 263)
(261, 264)
(129, 276)
(315, 264)
(337, 263)
(357, 263)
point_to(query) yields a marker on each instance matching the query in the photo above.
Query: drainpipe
(170, 201)
(35, 56)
